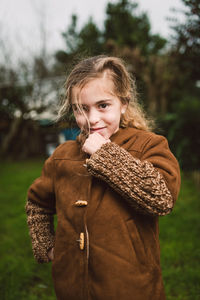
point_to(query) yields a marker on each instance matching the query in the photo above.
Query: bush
(182, 129)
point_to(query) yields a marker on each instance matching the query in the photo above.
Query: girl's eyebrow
(103, 100)
(98, 102)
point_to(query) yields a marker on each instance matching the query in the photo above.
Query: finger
(51, 254)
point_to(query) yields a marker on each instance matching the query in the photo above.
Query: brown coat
(107, 236)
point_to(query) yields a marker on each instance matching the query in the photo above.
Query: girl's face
(97, 108)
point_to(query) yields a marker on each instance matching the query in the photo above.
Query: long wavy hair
(124, 88)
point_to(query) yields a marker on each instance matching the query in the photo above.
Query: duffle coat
(106, 245)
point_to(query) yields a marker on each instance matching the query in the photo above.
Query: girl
(107, 188)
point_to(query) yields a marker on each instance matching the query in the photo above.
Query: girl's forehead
(95, 88)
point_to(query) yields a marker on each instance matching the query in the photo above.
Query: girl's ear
(124, 108)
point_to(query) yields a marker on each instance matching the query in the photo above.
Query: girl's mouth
(92, 130)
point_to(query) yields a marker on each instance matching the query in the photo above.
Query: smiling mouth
(96, 129)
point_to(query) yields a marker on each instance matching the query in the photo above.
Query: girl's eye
(79, 109)
(84, 108)
(76, 110)
(103, 105)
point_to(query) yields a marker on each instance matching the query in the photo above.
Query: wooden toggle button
(81, 203)
(81, 241)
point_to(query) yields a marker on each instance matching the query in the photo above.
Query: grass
(180, 245)
(22, 278)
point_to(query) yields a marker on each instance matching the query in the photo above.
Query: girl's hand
(50, 254)
(93, 143)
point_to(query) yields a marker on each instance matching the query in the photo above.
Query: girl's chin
(106, 136)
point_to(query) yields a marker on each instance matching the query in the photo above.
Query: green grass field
(22, 278)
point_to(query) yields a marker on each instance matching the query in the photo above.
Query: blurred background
(40, 41)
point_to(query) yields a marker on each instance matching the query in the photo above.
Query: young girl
(107, 188)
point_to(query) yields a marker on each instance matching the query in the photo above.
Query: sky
(21, 20)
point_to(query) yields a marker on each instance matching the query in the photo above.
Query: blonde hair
(124, 88)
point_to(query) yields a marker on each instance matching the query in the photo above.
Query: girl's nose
(93, 117)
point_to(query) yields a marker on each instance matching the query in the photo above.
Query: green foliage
(80, 43)
(90, 39)
(124, 27)
(12, 94)
(183, 132)
(86, 40)
(22, 278)
(71, 35)
(181, 122)
(127, 28)
(187, 41)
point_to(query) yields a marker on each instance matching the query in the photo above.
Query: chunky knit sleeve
(40, 208)
(41, 230)
(142, 183)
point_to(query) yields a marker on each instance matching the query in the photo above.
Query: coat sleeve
(149, 184)
(40, 208)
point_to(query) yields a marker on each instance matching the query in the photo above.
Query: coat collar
(123, 135)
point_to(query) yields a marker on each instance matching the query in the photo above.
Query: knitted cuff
(137, 181)
(41, 231)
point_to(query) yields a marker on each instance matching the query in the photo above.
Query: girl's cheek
(80, 120)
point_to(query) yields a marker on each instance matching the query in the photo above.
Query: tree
(79, 43)
(25, 95)
(181, 123)
(124, 26)
(186, 44)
